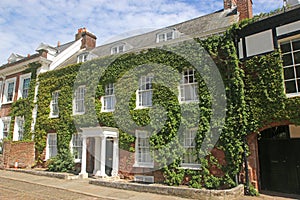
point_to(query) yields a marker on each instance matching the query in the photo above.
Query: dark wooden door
(280, 165)
(109, 156)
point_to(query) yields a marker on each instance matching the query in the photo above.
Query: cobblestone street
(12, 189)
(24, 186)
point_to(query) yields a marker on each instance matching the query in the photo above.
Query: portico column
(103, 155)
(83, 173)
(97, 155)
(115, 170)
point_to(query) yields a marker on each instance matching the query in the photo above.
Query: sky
(24, 24)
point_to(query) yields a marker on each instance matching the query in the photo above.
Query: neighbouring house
(274, 163)
(19, 85)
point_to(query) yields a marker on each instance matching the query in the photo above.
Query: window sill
(144, 165)
(142, 107)
(190, 166)
(77, 160)
(8, 102)
(106, 111)
(291, 95)
(53, 116)
(189, 101)
(78, 113)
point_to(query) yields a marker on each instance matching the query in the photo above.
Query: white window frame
(120, 48)
(5, 120)
(52, 145)
(143, 136)
(145, 91)
(21, 85)
(108, 98)
(76, 143)
(189, 144)
(5, 95)
(293, 65)
(165, 36)
(82, 58)
(18, 129)
(79, 100)
(188, 82)
(54, 102)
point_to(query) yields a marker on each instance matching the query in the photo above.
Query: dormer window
(82, 58)
(165, 36)
(118, 49)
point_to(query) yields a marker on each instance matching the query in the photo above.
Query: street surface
(23, 186)
(12, 189)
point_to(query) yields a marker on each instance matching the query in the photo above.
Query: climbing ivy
(254, 95)
(23, 107)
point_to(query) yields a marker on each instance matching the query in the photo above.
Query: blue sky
(25, 24)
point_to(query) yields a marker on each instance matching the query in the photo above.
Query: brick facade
(21, 152)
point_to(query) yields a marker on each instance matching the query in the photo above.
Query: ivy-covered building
(109, 149)
(163, 107)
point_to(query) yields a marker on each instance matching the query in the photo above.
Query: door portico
(101, 136)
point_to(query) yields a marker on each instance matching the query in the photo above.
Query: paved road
(16, 185)
(12, 189)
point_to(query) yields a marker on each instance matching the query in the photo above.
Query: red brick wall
(5, 110)
(21, 152)
(253, 161)
(126, 162)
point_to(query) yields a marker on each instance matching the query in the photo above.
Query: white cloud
(25, 24)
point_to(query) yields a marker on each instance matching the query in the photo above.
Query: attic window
(118, 49)
(165, 36)
(82, 57)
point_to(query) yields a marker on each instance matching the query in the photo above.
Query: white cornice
(19, 67)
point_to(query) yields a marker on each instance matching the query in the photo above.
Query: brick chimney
(88, 39)
(228, 4)
(244, 7)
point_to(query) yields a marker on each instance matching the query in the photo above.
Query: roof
(203, 26)
(199, 27)
(20, 61)
(64, 46)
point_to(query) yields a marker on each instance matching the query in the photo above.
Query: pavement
(83, 187)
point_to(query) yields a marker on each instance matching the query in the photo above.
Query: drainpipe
(246, 166)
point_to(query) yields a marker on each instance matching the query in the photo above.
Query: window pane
(10, 91)
(298, 71)
(121, 49)
(287, 59)
(26, 84)
(285, 47)
(161, 37)
(290, 87)
(289, 73)
(170, 36)
(296, 45)
(6, 124)
(143, 148)
(297, 57)
(77, 146)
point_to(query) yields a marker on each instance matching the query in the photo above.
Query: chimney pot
(58, 43)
